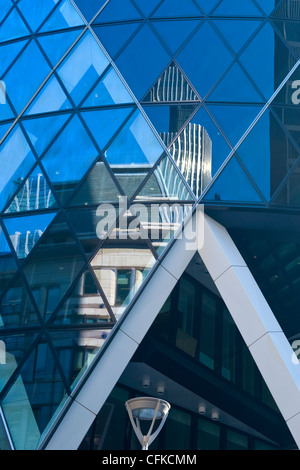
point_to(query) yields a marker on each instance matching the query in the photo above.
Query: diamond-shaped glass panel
(56, 45)
(50, 98)
(177, 8)
(237, 32)
(114, 37)
(35, 16)
(174, 33)
(237, 8)
(89, 9)
(64, 16)
(8, 53)
(7, 263)
(13, 27)
(118, 10)
(110, 90)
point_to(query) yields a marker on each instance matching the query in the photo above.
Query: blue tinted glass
(174, 33)
(237, 8)
(267, 5)
(56, 45)
(13, 27)
(7, 264)
(25, 232)
(237, 32)
(232, 185)
(89, 9)
(6, 5)
(36, 68)
(135, 145)
(204, 65)
(117, 10)
(173, 8)
(259, 60)
(64, 16)
(142, 61)
(34, 194)
(4, 248)
(68, 159)
(105, 123)
(8, 54)
(50, 98)
(234, 120)
(5, 109)
(236, 87)
(13, 170)
(41, 131)
(109, 91)
(35, 16)
(219, 148)
(3, 128)
(113, 37)
(146, 7)
(257, 158)
(207, 5)
(82, 67)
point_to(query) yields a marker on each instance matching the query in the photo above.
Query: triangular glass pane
(13, 27)
(203, 129)
(21, 91)
(26, 414)
(53, 266)
(284, 10)
(14, 170)
(3, 129)
(168, 120)
(16, 309)
(235, 87)
(237, 8)
(50, 98)
(130, 179)
(97, 188)
(267, 5)
(147, 7)
(25, 232)
(237, 32)
(8, 52)
(204, 65)
(122, 264)
(135, 146)
(84, 305)
(42, 131)
(82, 67)
(105, 123)
(118, 10)
(165, 184)
(35, 16)
(115, 36)
(232, 185)
(56, 45)
(7, 263)
(177, 8)
(207, 5)
(65, 173)
(64, 16)
(5, 109)
(171, 87)
(289, 194)
(35, 194)
(89, 9)
(109, 91)
(6, 5)
(174, 33)
(234, 120)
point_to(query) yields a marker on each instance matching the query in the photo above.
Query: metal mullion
(6, 428)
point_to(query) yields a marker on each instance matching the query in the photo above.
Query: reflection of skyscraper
(35, 194)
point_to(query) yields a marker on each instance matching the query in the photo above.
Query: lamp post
(147, 409)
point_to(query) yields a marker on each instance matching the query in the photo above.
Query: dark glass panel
(56, 45)
(118, 10)
(59, 252)
(285, 10)
(64, 16)
(208, 435)
(232, 185)
(289, 95)
(19, 90)
(204, 65)
(237, 8)
(8, 52)
(173, 8)
(105, 123)
(229, 347)
(146, 50)
(178, 430)
(290, 31)
(147, 7)
(50, 98)
(4, 441)
(85, 224)
(14, 170)
(109, 91)
(68, 160)
(174, 33)
(25, 232)
(84, 306)
(113, 37)
(41, 131)
(7, 263)
(16, 309)
(80, 70)
(13, 27)
(207, 339)
(237, 32)
(35, 194)
(236, 441)
(35, 16)
(186, 334)
(97, 188)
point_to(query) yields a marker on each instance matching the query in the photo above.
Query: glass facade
(116, 118)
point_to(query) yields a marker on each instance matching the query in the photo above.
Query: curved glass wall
(115, 118)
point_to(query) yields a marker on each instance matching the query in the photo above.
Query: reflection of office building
(101, 302)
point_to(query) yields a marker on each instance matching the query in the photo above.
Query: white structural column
(256, 322)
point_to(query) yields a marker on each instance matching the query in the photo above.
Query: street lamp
(147, 409)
